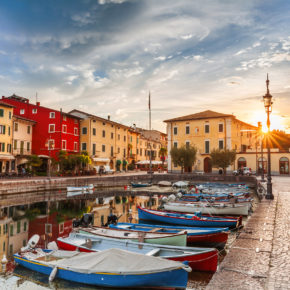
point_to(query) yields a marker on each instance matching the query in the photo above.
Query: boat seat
(153, 252)
(155, 230)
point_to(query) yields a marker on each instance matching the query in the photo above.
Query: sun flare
(276, 121)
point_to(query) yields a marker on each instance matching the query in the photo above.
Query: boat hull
(174, 278)
(202, 259)
(204, 209)
(186, 220)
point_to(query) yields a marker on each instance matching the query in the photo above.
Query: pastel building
(6, 123)
(206, 131)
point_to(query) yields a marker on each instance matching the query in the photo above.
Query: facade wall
(4, 228)
(208, 134)
(51, 124)
(18, 235)
(6, 125)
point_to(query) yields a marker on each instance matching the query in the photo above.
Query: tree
(222, 158)
(162, 154)
(35, 162)
(183, 156)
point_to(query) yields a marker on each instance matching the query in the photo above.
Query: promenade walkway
(260, 257)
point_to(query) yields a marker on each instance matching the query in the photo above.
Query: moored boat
(174, 239)
(136, 185)
(186, 219)
(210, 237)
(208, 208)
(201, 259)
(109, 268)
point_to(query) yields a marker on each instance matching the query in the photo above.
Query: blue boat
(111, 268)
(212, 237)
(184, 219)
(136, 185)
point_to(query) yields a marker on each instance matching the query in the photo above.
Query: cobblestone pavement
(260, 257)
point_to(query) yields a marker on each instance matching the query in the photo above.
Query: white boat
(77, 190)
(213, 209)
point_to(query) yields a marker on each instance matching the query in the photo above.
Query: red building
(54, 130)
(48, 228)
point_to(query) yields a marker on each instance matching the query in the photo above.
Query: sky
(103, 57)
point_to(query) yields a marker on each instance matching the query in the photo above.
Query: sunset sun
(276, 121)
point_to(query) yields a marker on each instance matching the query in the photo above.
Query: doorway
(207, 168)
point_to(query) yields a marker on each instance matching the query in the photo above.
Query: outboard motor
(87, 219)
(171, 197)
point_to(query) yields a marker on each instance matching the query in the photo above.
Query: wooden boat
(208, 208)
(192, 220)
(78, 190)
(136, 185)
(111, 268)
(174, 239)
(210, 237)
(201, 259)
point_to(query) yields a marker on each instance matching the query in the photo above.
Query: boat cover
(119, 262)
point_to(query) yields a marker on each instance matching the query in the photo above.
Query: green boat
(151, 237)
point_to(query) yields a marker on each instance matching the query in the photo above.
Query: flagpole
(150, 164)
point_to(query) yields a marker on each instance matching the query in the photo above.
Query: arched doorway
(207, 165)
(242, 162)
(262, 163)
(284, 165)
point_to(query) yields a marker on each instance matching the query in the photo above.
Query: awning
(101, 159)
(43, 156)
(22, 161)
(6, 157)
(154, 162)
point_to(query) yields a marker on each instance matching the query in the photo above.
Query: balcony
(21, 151)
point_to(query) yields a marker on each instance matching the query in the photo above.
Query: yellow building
(4, 226)
(22, 141)
(6, 158)
(105, 141)
(206, 131)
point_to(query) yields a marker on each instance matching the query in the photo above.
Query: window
(175, 144)
(124, 153)
(112, 135)
(94, 149)
(118, 136)
(2, 129)
(34, 111)
(112, 151)
(9, 147)
(22, 111)
(9, 131)
(10, 115)
(52, 115)
(64, 128)
(11, 249)
(51, 128)
(221, 144)
(119, 150)
(84, 130)
(61, 228)
(140, 151)
(48, 228)
(28, 146)
(84, 146)
(4, 247)
(175, 131)
(2, 147)
(25, 226)
(137, 151)
(11, 230)
(64, 117)
(206, 128)
(104, 133)
(103, 148)
(243, 148)
(15, 127)
(124, 138)
(28, 129)
(206, 149)
(63, 144)
(187, 130)
(50, 144)
(1, 113)
(131, 139)
(23, 243)
(18, 227)
(221, 128)
(75, 131)
(15, 144)
(94, 132)
(75, 146)
(196, 130)
(187, 144)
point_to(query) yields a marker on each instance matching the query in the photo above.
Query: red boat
(200, 259)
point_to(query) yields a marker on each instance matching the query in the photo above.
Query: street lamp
(268, 107)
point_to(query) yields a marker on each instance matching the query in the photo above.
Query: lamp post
(268, 107)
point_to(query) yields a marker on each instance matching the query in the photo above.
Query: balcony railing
(21, 151)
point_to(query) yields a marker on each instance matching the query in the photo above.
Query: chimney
(38, 104)
(109, 117)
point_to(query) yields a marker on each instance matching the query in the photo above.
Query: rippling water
(23, 278)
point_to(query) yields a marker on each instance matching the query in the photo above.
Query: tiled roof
(6, 105)
(201, 115)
